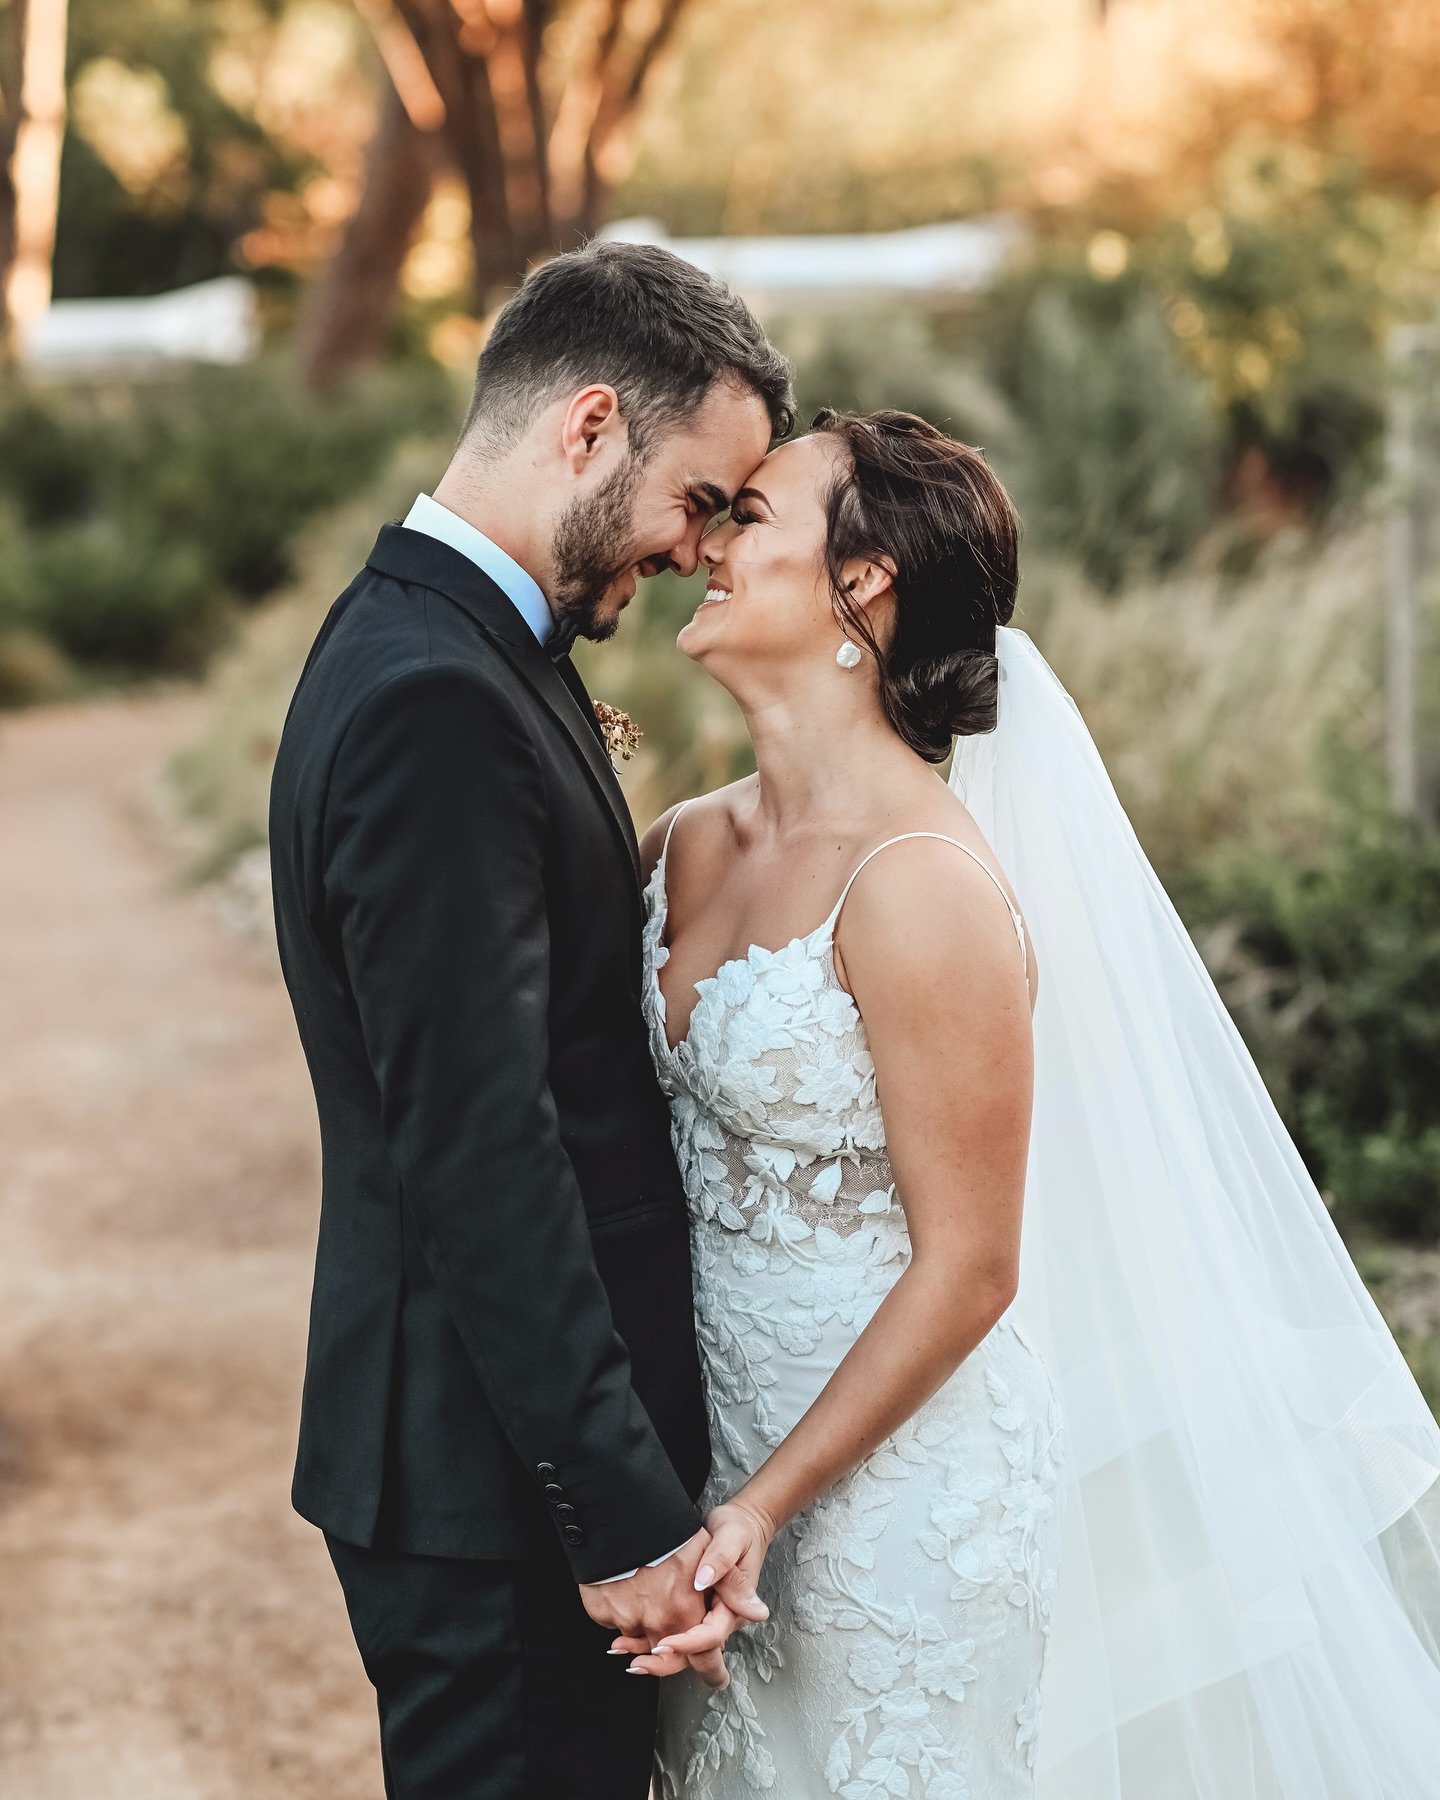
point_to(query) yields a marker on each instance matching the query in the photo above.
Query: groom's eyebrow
(710, 495)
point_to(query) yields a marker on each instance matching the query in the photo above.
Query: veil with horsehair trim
(1249, 1596)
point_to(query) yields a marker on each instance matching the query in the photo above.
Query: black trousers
(492, 1681)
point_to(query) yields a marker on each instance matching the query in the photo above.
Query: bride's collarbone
(722, 901)
(719, 914)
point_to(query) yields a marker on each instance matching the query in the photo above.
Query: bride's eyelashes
(730, 515)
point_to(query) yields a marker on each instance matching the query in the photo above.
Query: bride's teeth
(716, 594)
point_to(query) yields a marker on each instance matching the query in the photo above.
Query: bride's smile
(767, 598)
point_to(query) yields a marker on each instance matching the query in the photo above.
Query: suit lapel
(576, 717)
(413, 556)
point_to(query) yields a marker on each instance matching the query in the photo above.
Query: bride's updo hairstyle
(932, 507)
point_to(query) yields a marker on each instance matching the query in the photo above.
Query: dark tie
(567, 629)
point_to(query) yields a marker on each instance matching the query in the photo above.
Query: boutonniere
(622, 735)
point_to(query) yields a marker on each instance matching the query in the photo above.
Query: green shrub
(239, 462)
(906, 355)
(1286, 287)
(1119, 466)
(109, 602)
(1331, 967)
(52, 458)
(133, 521)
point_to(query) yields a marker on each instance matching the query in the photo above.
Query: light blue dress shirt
(519, 587)
(523, 592)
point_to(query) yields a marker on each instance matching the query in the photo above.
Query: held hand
(652, 1602)
(701, 1649)
(741, 1535)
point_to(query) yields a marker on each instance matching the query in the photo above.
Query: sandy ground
(169, 1630)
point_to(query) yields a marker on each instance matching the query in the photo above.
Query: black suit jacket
(501, 1335)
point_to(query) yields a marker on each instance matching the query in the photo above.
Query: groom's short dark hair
(653, 326)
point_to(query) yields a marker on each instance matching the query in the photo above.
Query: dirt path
(169, 1630)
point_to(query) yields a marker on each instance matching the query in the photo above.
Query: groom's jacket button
(562, 1511)
(546, 1471)
(574, 1535)
(553, 1491)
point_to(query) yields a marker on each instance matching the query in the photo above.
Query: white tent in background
(214, 321)
(930, 260)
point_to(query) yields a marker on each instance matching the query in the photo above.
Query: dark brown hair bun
(933, 507)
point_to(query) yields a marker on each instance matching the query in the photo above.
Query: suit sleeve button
(564, 1512)
(546, 1471)
(574, 1535)
(553, 1491)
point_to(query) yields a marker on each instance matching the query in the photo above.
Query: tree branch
(348, 310)
(620, 96)
(568, 148)
(471, 130)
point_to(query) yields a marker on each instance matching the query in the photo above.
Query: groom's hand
(652, 1603)
(740, 1537)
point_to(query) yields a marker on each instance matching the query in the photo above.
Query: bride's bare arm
(931, 956)
(929, 952)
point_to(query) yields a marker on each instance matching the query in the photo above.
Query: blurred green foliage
(134, 522)
(1330, 966)
(1077, 391)
(1122, 439)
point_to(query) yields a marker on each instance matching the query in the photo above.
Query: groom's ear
(591, 426)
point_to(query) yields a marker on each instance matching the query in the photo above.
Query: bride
(1049, 1414)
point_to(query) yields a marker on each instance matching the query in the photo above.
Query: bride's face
(768, 596)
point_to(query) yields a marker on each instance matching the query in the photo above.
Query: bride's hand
(739, 1537)
(701, 1648)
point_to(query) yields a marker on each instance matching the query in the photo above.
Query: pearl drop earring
(849, 655)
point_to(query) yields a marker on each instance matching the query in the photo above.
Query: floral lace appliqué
(910, 1604)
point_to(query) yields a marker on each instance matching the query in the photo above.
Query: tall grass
(1231, 712)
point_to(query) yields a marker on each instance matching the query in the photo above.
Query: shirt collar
(518, 586)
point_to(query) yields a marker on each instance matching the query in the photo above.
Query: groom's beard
(593, 547)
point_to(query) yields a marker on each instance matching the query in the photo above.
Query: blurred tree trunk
(620, 81)
(32, 125)
(349, 308)
(538, 124)
(12, 38)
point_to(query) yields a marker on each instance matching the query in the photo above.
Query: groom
(502, 1432)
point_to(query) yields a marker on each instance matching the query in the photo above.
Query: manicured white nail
(655, 1649)
(637, 1671)
(704, 1575)
(617, 1652)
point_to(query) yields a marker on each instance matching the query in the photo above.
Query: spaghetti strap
(979, 861)
(669, 833)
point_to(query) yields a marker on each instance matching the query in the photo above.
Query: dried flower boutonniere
(622, 735)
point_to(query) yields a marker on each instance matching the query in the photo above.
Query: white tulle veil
(1249, 1596)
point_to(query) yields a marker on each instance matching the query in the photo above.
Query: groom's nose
(685, 557)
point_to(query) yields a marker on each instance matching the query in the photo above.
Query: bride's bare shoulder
(921, 892)
(709, 823)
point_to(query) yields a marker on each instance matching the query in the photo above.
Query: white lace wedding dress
(910, 1605)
